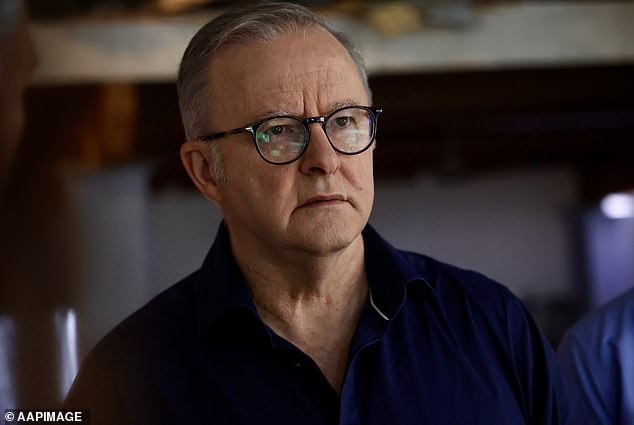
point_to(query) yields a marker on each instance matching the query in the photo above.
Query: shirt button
(297, 364)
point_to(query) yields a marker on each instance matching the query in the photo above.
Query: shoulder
(449, 283)
(167, 314)
(608, 323)
(473, 303)
(125, 350)
(594, 359)
(599, 334)
(494, 328)
(457, 284)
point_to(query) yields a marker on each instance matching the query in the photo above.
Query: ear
(196, 157)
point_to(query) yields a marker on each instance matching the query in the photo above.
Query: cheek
(260, 187)
(362, 174)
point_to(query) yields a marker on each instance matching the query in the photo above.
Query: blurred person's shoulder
(606, 324)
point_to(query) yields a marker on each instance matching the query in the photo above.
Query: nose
(320, 157)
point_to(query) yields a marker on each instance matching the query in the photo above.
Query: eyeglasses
(283, 139)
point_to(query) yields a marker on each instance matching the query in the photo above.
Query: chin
(327, 236)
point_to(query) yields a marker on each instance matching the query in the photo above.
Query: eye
(343, 121)
(275, 130)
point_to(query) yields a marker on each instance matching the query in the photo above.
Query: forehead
(302, 72)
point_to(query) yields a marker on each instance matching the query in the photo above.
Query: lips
(323, 200)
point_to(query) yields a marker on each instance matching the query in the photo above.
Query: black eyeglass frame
(322, 119)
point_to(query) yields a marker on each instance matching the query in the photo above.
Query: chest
(407, 376)
(440, 385)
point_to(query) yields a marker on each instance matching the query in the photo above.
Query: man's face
(319, 203)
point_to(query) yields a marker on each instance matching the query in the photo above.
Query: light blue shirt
(596, 359)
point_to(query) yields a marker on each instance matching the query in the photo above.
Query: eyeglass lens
(283, 139)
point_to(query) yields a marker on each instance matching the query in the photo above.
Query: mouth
(323, 201)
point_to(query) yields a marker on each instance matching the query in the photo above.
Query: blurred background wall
(505, 126)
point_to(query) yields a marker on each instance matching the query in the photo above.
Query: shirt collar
(389, 274)
(221, 287)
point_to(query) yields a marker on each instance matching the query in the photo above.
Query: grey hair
(261, 22)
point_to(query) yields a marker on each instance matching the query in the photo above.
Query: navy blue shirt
(434, 345)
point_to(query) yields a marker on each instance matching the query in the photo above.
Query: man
(596, 358)
(301, 312)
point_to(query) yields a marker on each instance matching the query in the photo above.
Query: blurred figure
(17, 62)
(597, 364)
(37, 329)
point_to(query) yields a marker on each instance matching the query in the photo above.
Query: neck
(314, 301)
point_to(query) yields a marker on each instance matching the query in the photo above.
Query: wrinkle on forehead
(296, 77)
(298, 89)
(289, 78)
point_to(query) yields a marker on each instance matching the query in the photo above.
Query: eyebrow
(341, 104)
(284, 113)
(271, 114)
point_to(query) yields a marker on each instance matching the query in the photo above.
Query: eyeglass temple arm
(214, 136)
